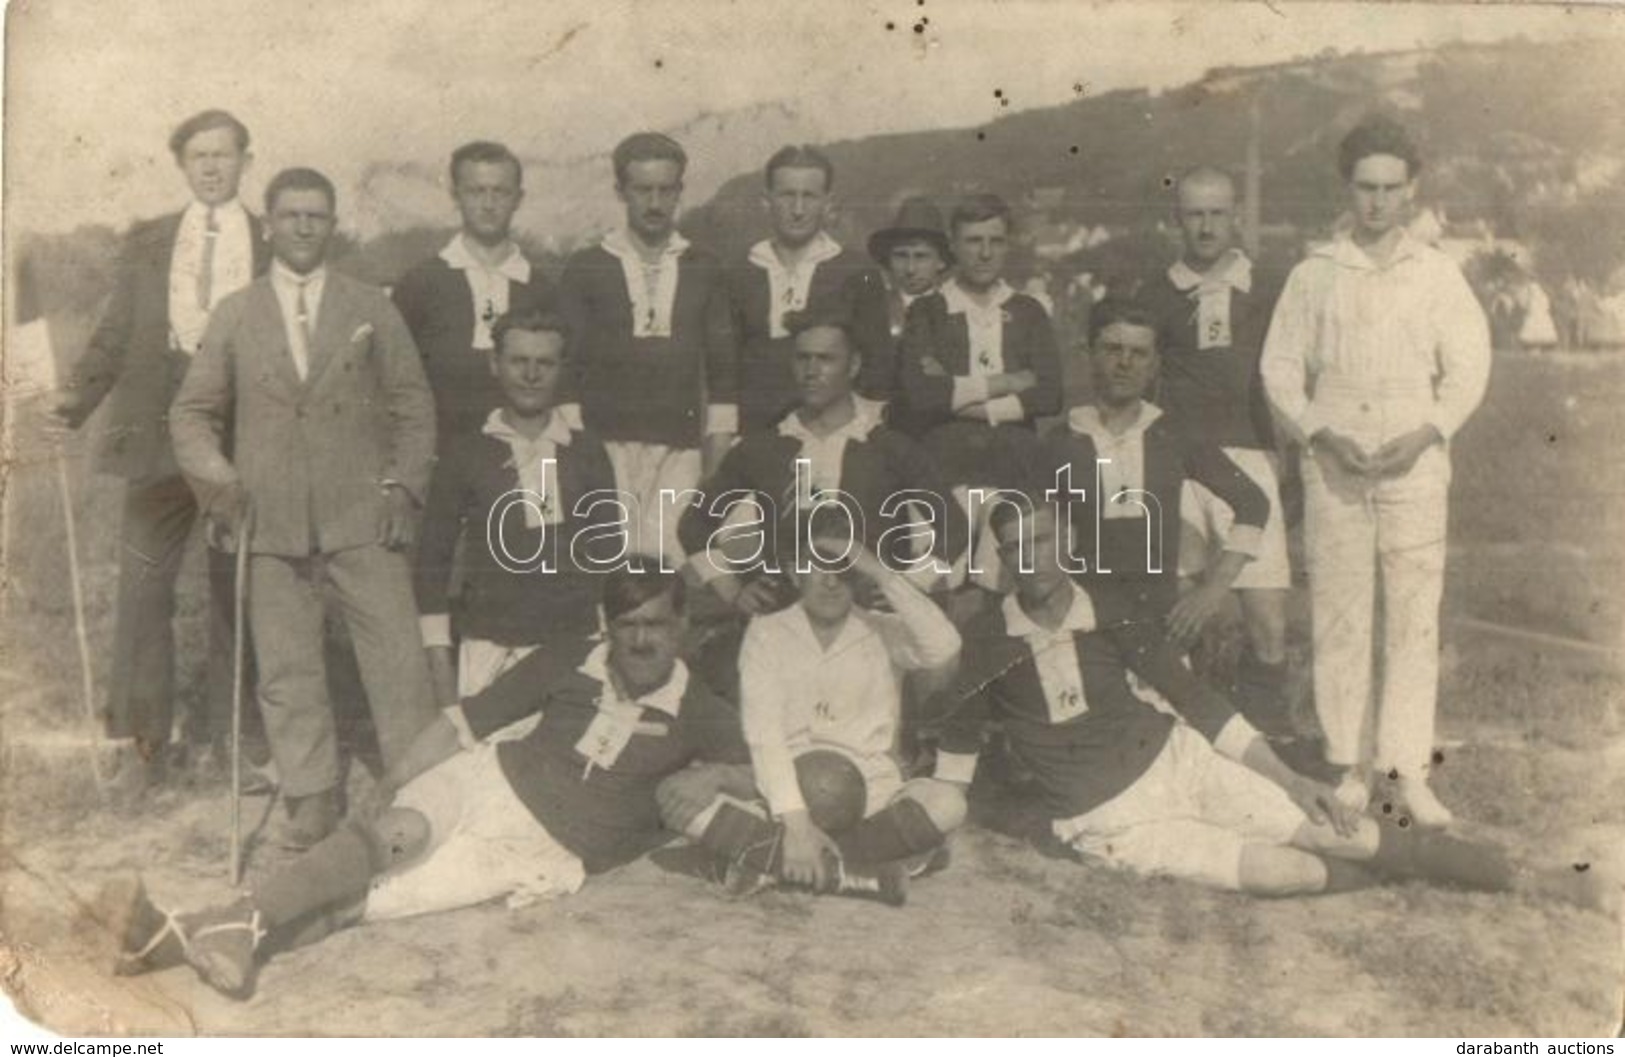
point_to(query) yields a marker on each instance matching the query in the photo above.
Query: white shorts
(643, 471)
(1206, 521)
(1188, 816)
(484, 843)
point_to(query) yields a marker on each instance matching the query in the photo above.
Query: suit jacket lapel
(258, 247)
(263, 318)
(333, 320)
(163, 249)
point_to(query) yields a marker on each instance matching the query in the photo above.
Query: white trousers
(1376, 543)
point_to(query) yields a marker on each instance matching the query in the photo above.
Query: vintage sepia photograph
(874, 518)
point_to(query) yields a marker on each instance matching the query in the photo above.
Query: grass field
(1012, 939)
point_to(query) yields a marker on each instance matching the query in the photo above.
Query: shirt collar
(200, 210)
(1085, 418)
(1232, 269)
(457, 254)
(668, 698)
(288, 277)
(1345, 251)
(557, 430)
(1080, 616)
(960, 303)
(820, 249)
(864, 420)
(619, 243)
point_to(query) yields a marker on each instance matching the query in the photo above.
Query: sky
(93, 88)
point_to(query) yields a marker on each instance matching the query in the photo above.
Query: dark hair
(973, 209)
(1001, 514)
(626, 588)
(204, 122)
(837, 517)
(299, 180)
(532, 320)
(1378, 135)
(800, 156)
(647, 146)
(485, 152)
(1119, 310)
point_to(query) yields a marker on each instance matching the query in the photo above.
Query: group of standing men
(849, 458)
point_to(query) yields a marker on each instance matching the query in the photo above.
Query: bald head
(1205, 205)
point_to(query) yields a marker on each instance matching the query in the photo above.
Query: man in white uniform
(1377, 355)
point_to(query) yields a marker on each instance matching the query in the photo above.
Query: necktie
(301, 318)
(205, 271)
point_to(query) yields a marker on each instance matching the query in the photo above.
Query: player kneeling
(523, 818)
(820, 686)
(1205, 800)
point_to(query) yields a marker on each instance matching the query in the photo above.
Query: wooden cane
(239, 605)
(86, 673)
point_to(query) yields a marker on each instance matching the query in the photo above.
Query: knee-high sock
(737, 834)
(1261, 694)
(337, 870)
(1345, 876)
(900, 829)
(1435, 856)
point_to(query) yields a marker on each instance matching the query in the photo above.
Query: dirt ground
(1012, 939)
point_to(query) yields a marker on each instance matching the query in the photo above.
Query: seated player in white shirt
(820, 692)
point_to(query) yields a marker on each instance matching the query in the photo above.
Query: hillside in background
(1520, 146)
(1514, 136)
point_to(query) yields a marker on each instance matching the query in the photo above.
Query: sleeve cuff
(722, 418)
(465, 734)
(435, 629)
(956, 766)
(968, 390)
(704, 567)
(1444, 424)
(1234, 738)
(1244, 539)
(1309, 423)
(1005, 409)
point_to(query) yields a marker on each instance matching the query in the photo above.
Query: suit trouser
(1370, 544)
(159, 513)
(373, 590)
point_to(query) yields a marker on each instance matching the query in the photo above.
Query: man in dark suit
(173, 271)
(334, 440)
(450, 301)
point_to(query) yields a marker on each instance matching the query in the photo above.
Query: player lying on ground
(521, 816)
(1206, 800)
(820, 686)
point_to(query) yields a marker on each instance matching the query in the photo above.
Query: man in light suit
(172, 272)
(335, 436)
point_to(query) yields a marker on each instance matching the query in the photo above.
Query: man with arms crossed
(1377, 355)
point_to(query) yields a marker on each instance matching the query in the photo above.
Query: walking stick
(86, 672)
(239, 597)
